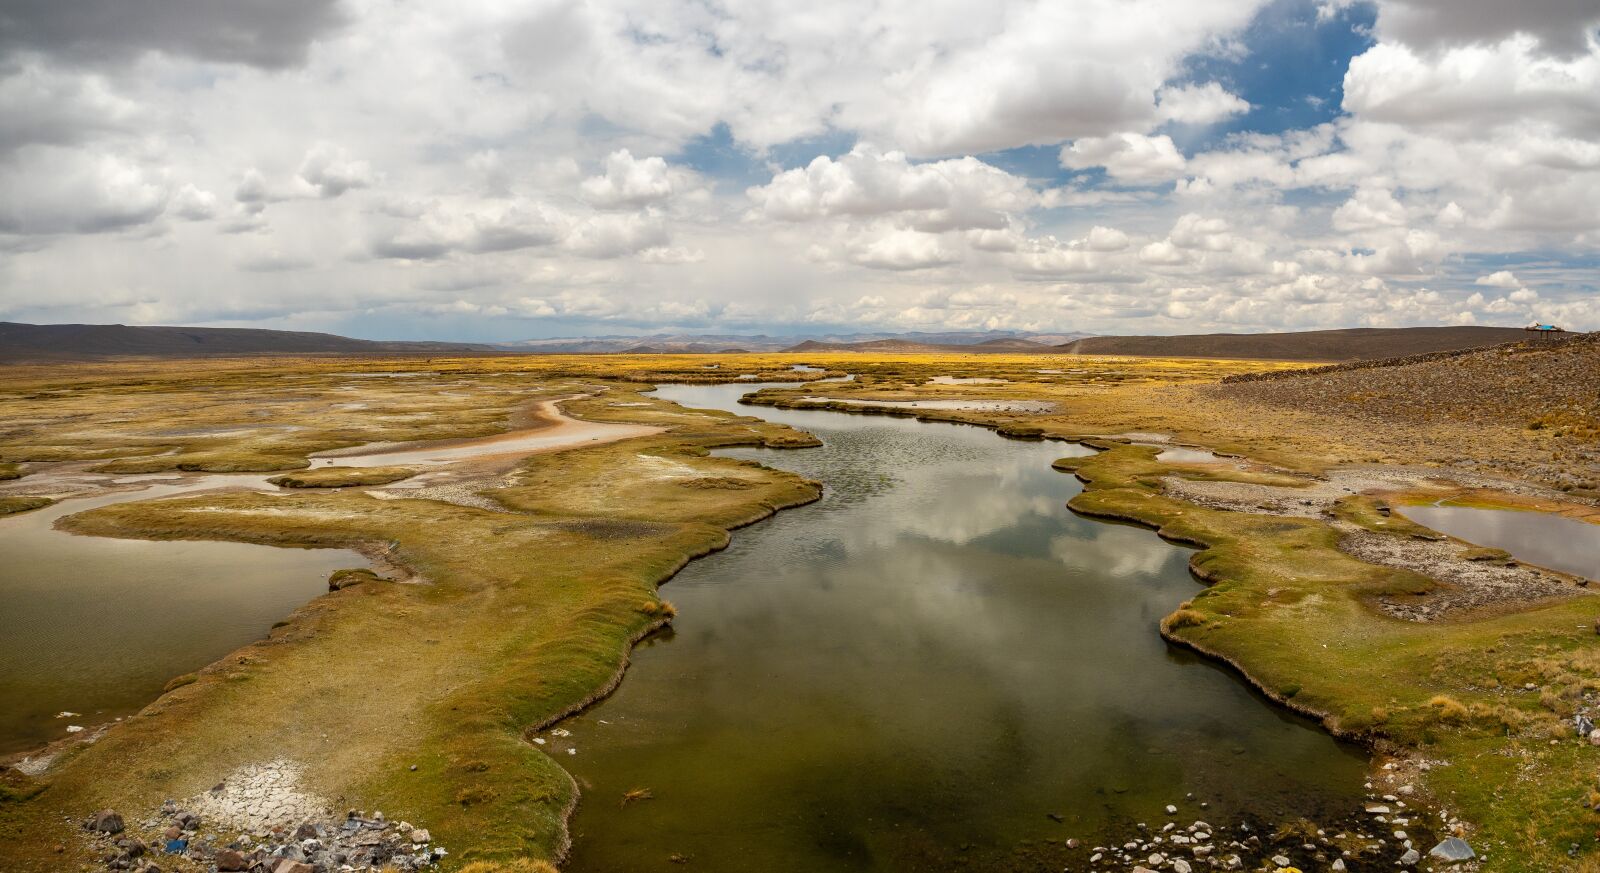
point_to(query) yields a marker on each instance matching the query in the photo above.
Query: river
(925, 669)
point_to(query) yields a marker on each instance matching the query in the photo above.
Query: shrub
(658, 609)
(1181, 619)
(1448, 709)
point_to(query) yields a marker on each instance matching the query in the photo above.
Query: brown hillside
(1548, 392)
(1355, 344)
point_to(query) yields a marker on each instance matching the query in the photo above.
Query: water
(1551, 541)
(1186, 455)
(914, 672)
(97, 626)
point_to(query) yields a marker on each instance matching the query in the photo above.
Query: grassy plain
(523, 617)
(528, 613)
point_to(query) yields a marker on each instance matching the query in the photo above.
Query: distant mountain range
(76, 342)
(710, 343)
(67, 342)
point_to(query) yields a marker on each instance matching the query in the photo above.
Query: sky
(490, 170)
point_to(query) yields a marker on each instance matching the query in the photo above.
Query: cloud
(330, 171)
(45, 105)
(786, 165)
(192, 204)
(262, 33)
(614, 236)
(1199, 104)
(903, 250)
(629, 183)
(1127, 157)
(1561, 27)
(53, 190)
(1370, 208)
(963, 193)
(1499, 279)
(447, 227)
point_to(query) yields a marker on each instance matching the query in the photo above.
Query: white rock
(1172, 810)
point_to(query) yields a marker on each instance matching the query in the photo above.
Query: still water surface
(914, 672)
(1541, 538)
(96, 626)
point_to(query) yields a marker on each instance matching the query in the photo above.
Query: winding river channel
(936, 665)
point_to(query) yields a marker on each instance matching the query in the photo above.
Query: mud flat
(556, 431)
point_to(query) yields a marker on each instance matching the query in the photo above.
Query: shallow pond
(917, 671)
(1186, 455)
(1550, 541)
(97, 626)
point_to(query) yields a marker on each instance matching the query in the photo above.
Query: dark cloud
(1562, 26)
(260, 33)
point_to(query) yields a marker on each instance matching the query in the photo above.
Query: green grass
(343, 477)
(1293, 613)
(13, 504)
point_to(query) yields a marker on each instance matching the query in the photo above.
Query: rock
(1073, 843)
(172, 832)
(1280, 860)
(1337, 866)
(1452, 849)
(1172, 810)
(229, 861)
(1180, 866)
(105, 821)
(1594, 737)
(289, 866)
(420, 836)
(1411, 857)
(307, 831)
(1233, 862)
(187, 820)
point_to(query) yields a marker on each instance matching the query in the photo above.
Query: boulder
(105, 821)
(1452, 849)
(1411, 857)
(420, 836)
(229, 861)
(291, 866)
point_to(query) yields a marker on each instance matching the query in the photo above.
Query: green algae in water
(918, 671)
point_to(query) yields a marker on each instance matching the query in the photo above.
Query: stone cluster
(179, 839)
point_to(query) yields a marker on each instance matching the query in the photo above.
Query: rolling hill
(1353, 344)
(79, 342)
